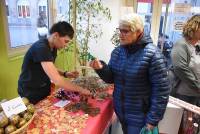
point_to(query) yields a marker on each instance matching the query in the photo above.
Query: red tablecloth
(53, 120)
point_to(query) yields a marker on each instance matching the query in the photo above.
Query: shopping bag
(146, 131)
(42, 31)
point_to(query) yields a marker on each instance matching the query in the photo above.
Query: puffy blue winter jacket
(141, 85)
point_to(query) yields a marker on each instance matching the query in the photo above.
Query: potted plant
(115, 38)
(89, 14)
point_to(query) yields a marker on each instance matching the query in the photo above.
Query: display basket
(22, 130)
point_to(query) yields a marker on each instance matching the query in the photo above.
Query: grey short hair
(133, 20)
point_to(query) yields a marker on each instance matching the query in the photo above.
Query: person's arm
(160, 89)
(54, 75)
(180, 61)
(105, 73)
(103, 70)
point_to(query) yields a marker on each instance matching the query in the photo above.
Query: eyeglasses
(123, 31)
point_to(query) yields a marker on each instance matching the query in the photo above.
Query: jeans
(131, 129)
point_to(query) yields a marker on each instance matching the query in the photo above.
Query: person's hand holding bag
(149, 129)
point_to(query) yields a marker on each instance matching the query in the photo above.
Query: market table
(54, 120)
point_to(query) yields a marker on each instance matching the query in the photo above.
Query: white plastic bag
(42, 31)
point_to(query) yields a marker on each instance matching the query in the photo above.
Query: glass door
(144, 9)
(174, 14)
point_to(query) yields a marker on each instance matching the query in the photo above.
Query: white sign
(61, 103)
(178, 25)
(182, 8)
(14, 106)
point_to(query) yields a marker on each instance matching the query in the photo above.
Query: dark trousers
(128, 129)
(42, 37)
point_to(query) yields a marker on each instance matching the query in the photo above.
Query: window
(42, 7)
(175, 14)
(23, 8)
(62, 7)
(144, 9)
(22, 18)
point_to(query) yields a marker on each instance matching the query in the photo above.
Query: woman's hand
(96, 64)
(85, 92)
(150, 127)
(73, 74)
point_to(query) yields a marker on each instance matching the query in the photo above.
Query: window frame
(12, 52)
(19, 50)
(156, 12)
(7, 10)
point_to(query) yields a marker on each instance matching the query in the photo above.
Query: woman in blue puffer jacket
(138, 70)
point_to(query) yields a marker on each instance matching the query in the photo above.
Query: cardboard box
(171, 121)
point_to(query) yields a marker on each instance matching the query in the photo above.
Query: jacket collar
(140, 44)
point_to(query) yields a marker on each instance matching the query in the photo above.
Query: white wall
(103, 48)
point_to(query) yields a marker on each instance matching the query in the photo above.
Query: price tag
(14, 106)
(61, 103)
